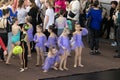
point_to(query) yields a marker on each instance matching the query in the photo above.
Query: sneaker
(22, 70)
(114, 44)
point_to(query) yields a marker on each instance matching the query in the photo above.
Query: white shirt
(75, 4)
(22, 13)
(38, 3)
(50, 14)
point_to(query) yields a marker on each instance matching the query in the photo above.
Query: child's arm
(35, 38)
(84, 31)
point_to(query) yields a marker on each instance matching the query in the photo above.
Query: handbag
(71, 14)
(2, 26)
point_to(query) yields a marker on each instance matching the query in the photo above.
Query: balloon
(17, 50)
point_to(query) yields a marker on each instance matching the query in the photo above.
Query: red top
(2, 44)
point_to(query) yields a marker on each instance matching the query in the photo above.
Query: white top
(75, 8)
(50, 14)
(38, 3)
(22, 13)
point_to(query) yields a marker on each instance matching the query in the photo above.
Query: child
(30, 34)
(2, 45)
(15, 38)
(24, 41)
(51, 60)
(61, 23)
(78, 44)
(64, 45)
(40, 40)
(52, 39)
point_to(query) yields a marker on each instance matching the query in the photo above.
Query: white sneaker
(114, 44)
(22, 70)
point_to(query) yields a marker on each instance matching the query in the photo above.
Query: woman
(49, 17)
(33, 13)
(96, 17)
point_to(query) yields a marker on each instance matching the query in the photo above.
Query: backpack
(118, 19)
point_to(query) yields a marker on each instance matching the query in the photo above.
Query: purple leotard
(41, 40)
(50, 61)
(77, 38)
(30, 34)
(64, 42)
(52, 42)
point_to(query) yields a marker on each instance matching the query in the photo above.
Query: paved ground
(105, 61)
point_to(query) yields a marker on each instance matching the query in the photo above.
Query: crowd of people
(55, 28)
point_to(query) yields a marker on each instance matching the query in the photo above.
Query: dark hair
(96, 3)
(52, 27)
(39, 26)
(62, 12)
(5, 11)
(33, 3)
(114, 2)
(14, 20)
(20, 3)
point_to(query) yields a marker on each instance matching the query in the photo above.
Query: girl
(24, 40)
(61, 23)
(40, 40)
(52, 40)
(78, 44)
(15, 38)
(51, 60)
(30, 34)
(64, 45)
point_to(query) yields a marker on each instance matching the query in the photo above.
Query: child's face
(39, 30)
(49, 30)
(54, 51)
(113, 5)
(77, 27)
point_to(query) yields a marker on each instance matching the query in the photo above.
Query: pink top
(60, 3)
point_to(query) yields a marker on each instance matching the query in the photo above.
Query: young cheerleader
(15, 38)
(24, 40)
(28, 20)
(64, 45)
(40, 40)
(51, 60)
(52, 39)
(78, 44)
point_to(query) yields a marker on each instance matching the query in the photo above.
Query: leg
(65, 61)
(29, 49)
(38, 56)
(76, 56)
(42, 56)
(79, 57)
(61, 62)
(9, 55)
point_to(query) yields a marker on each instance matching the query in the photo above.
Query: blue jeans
(9, 41)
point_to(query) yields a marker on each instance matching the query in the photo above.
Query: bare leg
(61, 62)
(29, 49)
(9, 55)
(76, 57)
(42, 56)
(79, 57)
(38, 56)
(65, 61)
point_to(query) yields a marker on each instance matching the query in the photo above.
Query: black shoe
(117, 56)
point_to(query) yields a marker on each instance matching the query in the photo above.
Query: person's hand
(5, 53)
(108, 18)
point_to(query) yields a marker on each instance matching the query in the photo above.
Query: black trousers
(1, 54)
(25, 55)
(94, 39)
(118, 39)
